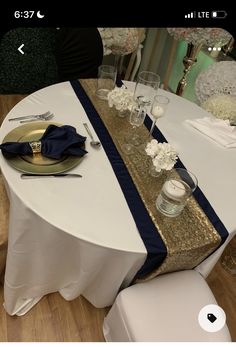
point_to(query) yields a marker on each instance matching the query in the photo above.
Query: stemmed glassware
(158, 109)
(137, 116)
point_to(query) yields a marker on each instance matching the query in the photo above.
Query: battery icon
(218, 14)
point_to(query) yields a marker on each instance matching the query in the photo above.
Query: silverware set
(32, 118)
(49, 115)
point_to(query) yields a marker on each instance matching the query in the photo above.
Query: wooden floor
(54, 319)
(223, 285)
(7, 102)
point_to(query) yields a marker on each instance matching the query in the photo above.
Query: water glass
(175, 192)
(137, 116)
(106, 80)
(146, 87)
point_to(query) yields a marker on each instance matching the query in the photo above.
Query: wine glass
(158, 109)
(137, 116)
(146, 87)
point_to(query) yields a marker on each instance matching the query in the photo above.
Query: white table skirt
(43, 259)
(78, 236)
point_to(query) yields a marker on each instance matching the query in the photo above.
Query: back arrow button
(20, 49)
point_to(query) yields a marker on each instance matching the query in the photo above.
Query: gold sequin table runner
(190, 237)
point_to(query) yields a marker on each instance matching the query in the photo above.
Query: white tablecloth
(213, 165)
(77, 236)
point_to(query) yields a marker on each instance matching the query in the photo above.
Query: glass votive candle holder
(175, 192)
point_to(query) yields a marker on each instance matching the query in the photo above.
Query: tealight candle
(175, 192)
(157, 111)
(174, 189)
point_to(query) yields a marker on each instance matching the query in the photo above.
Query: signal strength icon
(190, 15)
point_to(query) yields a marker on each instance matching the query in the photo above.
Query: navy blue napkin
(55, 143)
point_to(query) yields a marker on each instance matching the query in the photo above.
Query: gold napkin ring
(35, 146)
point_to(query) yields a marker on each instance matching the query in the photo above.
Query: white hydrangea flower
(152, 148)
(164, 155)
(121, 99)
(222, 106)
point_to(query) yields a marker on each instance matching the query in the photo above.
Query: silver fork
(48, 117)
(40, 116)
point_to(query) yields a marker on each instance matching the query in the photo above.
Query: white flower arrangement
(164, 155)
(121, 98)
(217, 78)
(119, 40)
(222, 106)
(206, 36)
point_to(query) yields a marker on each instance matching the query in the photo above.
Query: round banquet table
(78, 236)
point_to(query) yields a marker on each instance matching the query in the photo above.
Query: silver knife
(25, 176)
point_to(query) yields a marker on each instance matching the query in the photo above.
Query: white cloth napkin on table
(218, 130)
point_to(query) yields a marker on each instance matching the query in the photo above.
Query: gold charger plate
(36, 163)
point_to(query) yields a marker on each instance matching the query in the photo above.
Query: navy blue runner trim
(156, 249)
(198, 194)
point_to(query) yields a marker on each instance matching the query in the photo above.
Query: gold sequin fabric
(190, 237)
